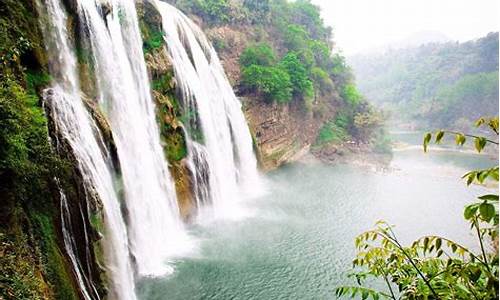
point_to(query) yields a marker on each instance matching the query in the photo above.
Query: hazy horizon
(364, 26)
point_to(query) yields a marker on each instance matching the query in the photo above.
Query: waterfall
(227, 144)
(156, 231)
(74, 124)
(70, 247)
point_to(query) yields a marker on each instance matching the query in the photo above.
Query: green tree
(296, 37)
(302, 85)
(214, 11)
(351, 95)
(305, 13)
(273, 82)
(261, 54)
(322, 81)
(257, 10)
(322, 53)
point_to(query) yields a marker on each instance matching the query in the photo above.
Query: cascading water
(74, 124)
(231, 163)
(86, 286)
(156, 231)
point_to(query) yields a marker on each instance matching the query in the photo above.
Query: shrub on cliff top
(302, 86)
(296, 37)
(261, 54)
(273, 82)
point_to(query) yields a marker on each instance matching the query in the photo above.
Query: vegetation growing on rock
(280, 52)
(439, 85)
(32, 265)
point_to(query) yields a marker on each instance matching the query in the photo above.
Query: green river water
(298, 241)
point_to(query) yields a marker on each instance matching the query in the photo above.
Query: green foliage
(460, 138)
(213, 11)
(321, 52)
(305, 13)
(261, 54)
(434, 267)
(333, 131)
(257, 10)
(273, 82)
(57, 272)
(296, 37)
(322, 80)
(351, 95)
(359, 291)
(35, 80)
(154, 41)
(369, 124)
(301, 84)
(24, 149)
(175, 143)
(295, 30)
(18, 278)
(441, 85)
(13, 53)
(468, 97)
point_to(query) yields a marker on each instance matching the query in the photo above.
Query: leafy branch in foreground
(434, 267)
(480, 142)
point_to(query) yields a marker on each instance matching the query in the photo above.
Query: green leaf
(487, 211)
(471, 178)
(439, 253)
(494, 173)
(480, 122)
(460, 139)
(479, 143)
(439, 136)
(438, 244)
(470, 211)
(489, 197)
(427, 139)
(481, 176)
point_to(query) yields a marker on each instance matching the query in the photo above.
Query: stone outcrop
(161, 73)
(282, 133)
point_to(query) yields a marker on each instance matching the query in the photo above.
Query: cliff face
(161, 74)
(282, 132)
(33, 260)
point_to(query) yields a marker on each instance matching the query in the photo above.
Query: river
(298, 241)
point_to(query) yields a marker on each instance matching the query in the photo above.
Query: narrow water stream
(298, 242)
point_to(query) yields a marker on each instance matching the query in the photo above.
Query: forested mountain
(439, 84)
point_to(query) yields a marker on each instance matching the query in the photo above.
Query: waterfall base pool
(299, 244)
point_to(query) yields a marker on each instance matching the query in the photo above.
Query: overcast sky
(362, 25)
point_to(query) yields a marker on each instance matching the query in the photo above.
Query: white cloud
(361, 25)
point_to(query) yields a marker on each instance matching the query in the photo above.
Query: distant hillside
(441, 84)
(420, 38)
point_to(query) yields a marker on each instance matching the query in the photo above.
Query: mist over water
(300, 242)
